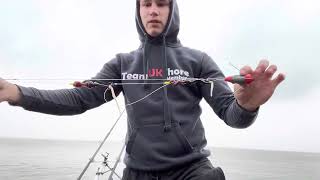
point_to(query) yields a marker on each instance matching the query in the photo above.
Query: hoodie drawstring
(144, 56)
(166, 108)
(167, 116)
(145, 61)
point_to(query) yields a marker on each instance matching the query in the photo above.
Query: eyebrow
(144, 0)
(163, 0)
(156, 0)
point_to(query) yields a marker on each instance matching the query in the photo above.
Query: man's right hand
(9, 92)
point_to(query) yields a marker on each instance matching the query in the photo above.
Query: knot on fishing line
(167, 128)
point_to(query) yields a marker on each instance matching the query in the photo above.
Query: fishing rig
(104, 165)
(236, 79)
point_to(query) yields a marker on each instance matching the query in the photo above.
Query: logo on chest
(158, 73)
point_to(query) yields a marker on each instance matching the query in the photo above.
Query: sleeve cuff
(22, 101)
(247, 111)
(241, 117)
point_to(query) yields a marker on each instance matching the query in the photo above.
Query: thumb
(246, 70)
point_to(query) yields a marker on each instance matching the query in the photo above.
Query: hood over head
(171, 30)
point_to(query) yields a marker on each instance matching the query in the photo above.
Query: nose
(154, 10)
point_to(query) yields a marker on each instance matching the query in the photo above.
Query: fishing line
(119, 117)
(163, 82)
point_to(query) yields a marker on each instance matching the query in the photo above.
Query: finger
(270, 71)
(278, 79)
(262, 66)
(237, 88)
(246, 70)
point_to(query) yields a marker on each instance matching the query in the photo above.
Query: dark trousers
(198, 170)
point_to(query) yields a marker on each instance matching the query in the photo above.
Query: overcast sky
(74, 38)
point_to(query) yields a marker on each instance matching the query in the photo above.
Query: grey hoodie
(164, 130)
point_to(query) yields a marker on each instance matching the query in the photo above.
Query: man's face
(154, 15)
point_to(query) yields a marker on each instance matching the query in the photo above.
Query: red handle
(240, 79)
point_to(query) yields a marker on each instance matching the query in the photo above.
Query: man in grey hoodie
(165, 137)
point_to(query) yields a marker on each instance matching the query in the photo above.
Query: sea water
(30, 159)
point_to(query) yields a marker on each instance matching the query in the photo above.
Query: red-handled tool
(240, 79)
(87, 84)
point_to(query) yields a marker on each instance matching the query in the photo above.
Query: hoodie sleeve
(223, 101)
(70, 101)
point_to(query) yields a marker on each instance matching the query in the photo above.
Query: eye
(163, 3)
(146, 4)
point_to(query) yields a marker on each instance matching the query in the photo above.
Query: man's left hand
(251, 96)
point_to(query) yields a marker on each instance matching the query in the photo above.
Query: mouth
(154, 22)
